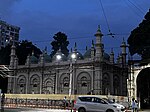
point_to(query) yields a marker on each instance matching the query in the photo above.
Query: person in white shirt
(133, 105)
(136, 106)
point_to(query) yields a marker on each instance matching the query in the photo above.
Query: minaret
(99, 45)
(123, 47)
(75, 47)
(42, 59)
(28, 61)
(16, 63)
(12, 57)
(92, 50)
(112, 57)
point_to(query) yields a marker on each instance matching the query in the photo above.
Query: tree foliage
(23, 49)
(5, 55)
(139, 39)
(60, 42)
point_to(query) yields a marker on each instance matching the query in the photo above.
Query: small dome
(106, 56)
(33, 59)
(59, 56)
(78, 55)
(87, 54)
(47, 58)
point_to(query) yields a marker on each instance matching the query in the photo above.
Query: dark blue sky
(78, 19)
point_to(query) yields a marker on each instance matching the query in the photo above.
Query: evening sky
(39, 20)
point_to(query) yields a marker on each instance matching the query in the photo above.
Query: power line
(136, 7)
(110, 33)
(89, 37)
(139, 6)
(133, 10)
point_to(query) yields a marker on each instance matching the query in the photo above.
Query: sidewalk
(34, 110)
(48, 110)
(138, 111)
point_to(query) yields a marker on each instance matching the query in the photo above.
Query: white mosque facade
(95, 72)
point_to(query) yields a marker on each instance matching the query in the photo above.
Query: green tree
(139, 39)
(60, 42)
(26, 48)
(5, 55)
(23, 49)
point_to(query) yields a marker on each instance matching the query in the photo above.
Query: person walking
(136, 106)
(65, 102)
(133, 105)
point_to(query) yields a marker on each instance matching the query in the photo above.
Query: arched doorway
(106, 84)
(84, 83)
(143, 88)
(21, 84)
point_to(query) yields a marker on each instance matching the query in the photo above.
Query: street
(45, 110)
(33, 110)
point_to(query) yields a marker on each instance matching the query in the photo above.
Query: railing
(37, 103)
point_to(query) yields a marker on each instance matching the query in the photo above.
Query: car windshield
(108, 100)
(93, 99)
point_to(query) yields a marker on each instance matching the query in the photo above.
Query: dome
(33, 59)
(47, 58)
(87, 54)
(78, 55)
(106, 56)
(59, 56)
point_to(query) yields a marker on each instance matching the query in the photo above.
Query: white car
(93, 104)
(117, 105)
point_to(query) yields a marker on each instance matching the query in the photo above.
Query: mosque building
(94, 72)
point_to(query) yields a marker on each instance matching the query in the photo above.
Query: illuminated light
(58, 57)
(73, 56)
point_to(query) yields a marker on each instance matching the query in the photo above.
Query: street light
(58, 57)
(73, 57)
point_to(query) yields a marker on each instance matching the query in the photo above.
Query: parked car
(117, 105)
(93, 104)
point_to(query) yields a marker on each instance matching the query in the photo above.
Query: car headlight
(118, 107)
(115, 106)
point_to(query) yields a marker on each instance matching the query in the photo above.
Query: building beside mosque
(8, 33)
(95, 72)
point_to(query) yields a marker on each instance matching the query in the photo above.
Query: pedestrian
(133, 105)
(113, 100)
(136, 106)
(65, 102)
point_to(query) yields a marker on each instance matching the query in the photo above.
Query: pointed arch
(48, 86)
(64, 83)
(35, 84)
(83, 83)
(106, 83)
(143, 88)
(116, 84)
(21, 84)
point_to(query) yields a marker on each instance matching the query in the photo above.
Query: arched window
(49, 87)
(106, 84)
(21, 85)
(116, 84)
(35, 84)
(83, 81)
(66, 82)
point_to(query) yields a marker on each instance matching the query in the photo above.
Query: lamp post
(58, 58)
(73, 57)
